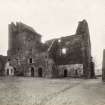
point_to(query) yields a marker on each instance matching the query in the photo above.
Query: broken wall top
(82, 28)
(20, 27)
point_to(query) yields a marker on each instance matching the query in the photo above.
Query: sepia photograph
(52, 52)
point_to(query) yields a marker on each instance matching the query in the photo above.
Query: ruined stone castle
(68, 56)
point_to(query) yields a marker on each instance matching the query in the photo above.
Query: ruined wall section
(3, 60)
(72, 57)
(78, 49)
(73, 54)
(73, 46)
(24, 43)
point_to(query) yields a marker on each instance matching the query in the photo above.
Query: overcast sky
(55, 18)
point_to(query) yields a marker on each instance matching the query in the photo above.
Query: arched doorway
(10, 71)
(40, 72)
(65, 72)
(7, 72)
(76, 73)
(32, 71)
(15, 71)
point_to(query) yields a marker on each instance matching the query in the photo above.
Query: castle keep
(60, 57)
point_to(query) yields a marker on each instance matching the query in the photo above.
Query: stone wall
(3, 60)
(72, 45)
(86, 47)
(72, 70)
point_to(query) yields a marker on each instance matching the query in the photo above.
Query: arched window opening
(30, 60)
(64, 50)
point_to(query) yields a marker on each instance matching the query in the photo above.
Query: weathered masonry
(72, 54)
(60, 57)
(28, 55)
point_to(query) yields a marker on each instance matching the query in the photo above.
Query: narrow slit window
(30, 60)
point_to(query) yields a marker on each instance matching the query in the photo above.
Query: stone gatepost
(103, 66)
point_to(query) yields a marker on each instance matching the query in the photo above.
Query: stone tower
(24, 43)
(83, 30)
(22, 37)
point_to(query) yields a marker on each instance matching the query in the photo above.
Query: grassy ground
(41, 91)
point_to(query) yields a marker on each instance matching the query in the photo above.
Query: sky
(56, 18)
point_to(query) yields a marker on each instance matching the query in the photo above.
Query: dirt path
(51, 96)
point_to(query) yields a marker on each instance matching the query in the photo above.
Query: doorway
(76, 73)
(32, 71)
(14, 71)
(65, 72)
(40, 72)
(10, 72)
(7, 72)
